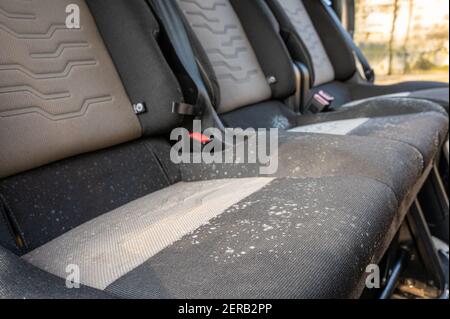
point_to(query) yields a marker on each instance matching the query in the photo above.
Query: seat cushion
(418, 123)
(438, 95)
(242, 238)
(269, 114)
(64, 195)
(345, 93)
(44, 203)
(19, 279)
(113, 244)
(403, 89)
(305, 155)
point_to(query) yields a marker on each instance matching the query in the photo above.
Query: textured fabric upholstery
(139, 226)
(345, 93)
(279, 242)
(49, 201)
(232, 254)
(60, 94)
(264, 35)
(145, 81)
(299, 17)
(419, 123)
(314, 40)
(114, 244)
(237, 69)
(20, 280)
(280, 218)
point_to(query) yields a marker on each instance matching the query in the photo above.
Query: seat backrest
(60, 92)
(240, 69)
(135, 50)
(313, 39)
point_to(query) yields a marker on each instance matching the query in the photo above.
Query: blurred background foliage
(405, 40)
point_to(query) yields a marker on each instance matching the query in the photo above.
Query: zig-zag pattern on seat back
(223, 38)
(60, 94)
(299, 17)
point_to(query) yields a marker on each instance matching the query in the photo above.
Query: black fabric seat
(271, 246)
(277, 212)
(348, 92)
(314, 40)
(422, 125)
(252, 36)
(136, 225)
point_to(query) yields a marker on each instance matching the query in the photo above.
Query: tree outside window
(404, 39)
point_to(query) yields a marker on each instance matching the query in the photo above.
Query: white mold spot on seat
(113, 244)
(343, 127)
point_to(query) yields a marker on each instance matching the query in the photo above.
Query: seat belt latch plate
(184, 108)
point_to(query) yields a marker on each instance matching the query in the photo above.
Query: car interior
(87, 178)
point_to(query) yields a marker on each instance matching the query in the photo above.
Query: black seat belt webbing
(369, 73)
(169, 16)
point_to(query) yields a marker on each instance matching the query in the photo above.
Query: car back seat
(140, 226)
(251, 73)
(313, 39)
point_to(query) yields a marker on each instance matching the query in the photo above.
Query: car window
(404, 40)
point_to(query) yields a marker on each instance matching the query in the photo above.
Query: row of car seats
(87, 179)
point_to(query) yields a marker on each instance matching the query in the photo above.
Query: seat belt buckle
(317, 104)
(320, 102)
(327, 96)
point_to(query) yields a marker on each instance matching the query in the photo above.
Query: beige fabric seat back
(60, 94)
(301, 21)
(236, 67)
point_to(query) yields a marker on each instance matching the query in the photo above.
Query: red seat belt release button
(199, 137)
